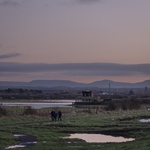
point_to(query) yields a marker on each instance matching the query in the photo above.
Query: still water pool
(99, 138)
(144, 120)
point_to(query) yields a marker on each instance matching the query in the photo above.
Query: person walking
(59, 115)
(55, 116)
(52, 115)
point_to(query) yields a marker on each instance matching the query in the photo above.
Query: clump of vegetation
(29, 111)
(132, 104)
(3, 111)
(111, 106)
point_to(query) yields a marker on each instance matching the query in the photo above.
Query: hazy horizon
(74, 81)
(77, 40)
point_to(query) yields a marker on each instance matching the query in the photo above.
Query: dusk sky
(78, 40)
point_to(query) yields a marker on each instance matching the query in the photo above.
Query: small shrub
(135, 104)
(125, 105)
(29, 111)
(3, 111)
(111, 106)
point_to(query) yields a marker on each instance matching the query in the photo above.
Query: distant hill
(67, 83)
(55, 83)
(113, 84)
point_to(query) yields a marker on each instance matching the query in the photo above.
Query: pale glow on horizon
(83, 79)
(74, 31)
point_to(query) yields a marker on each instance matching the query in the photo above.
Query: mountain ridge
(72, 84)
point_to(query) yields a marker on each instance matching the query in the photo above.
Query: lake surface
(56, 104)
(99, 138)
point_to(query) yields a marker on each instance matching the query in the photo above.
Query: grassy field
(76, 120)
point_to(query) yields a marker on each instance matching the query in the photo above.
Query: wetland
(75, 121)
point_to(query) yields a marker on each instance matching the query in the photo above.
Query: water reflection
(15, 146)
(99, 138)
(144, 120)
(39, 105)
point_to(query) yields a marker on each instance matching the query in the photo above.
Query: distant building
(87, 94)
(86, 98)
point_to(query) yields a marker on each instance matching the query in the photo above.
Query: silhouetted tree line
(30, 94)
(12, 90)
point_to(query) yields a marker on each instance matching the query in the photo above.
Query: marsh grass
(6, 138)
(3, 111)
(76, 120)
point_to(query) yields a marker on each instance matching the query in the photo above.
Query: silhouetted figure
(59, 115)
(52, 115)
(55, 116)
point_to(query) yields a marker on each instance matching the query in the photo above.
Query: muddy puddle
(99, 138)
(25, 141)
